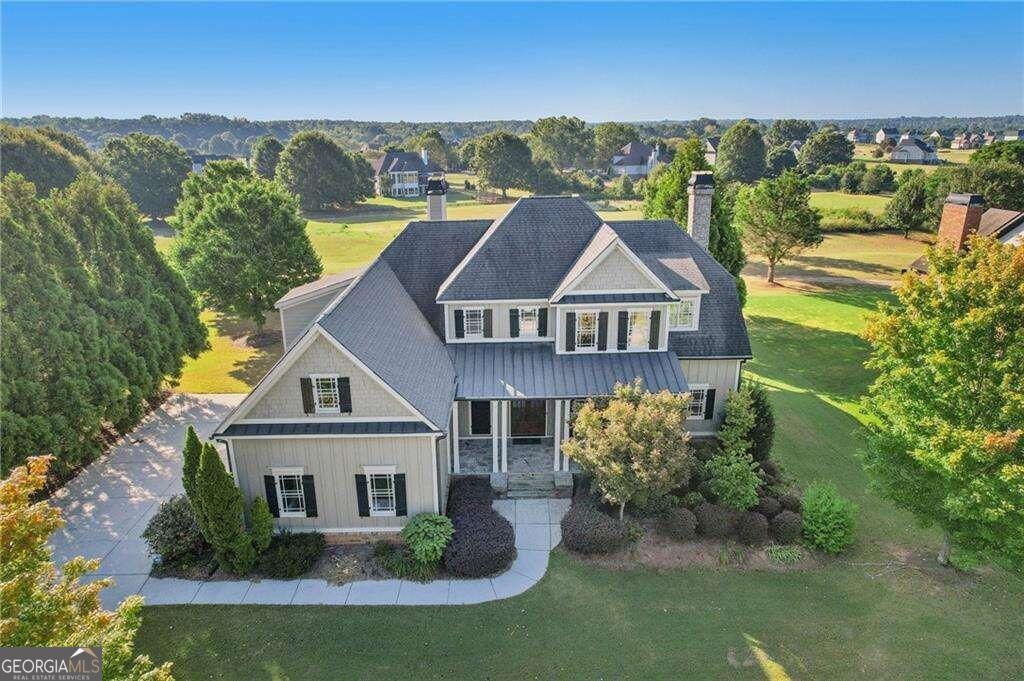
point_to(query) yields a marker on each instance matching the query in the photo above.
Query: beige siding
(500, 328)
(369, 397)
(441, 456)
(720, 374)
(615, 273)
(613, 323)
(334, 463)
(297, 318)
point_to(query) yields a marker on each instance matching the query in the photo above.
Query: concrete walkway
(108, 505)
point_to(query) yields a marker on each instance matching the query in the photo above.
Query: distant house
(967, 140)
(858, 136)
(883, 134)
(402, 173)
(635, 160)
(711, 149)
(795, 146)
(964, 215)
(913, 150)
(199, 161)
(1012, 135)
(936, 135)
(991, 138)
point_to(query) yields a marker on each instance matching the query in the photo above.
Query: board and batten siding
(615, 273)
(500, 328)
(613, 322)
(297, 318)
(441, 461)
(720, 374)
(334, 462)
(369, 397)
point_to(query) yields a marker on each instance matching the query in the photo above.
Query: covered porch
(510, 436)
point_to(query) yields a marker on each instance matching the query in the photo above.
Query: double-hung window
(380, 491)
(682, 316)
(325, 393)
(473, 320)
(698, 402)
(639, 329)
(528, 322)
(586, 330)
(291, 500)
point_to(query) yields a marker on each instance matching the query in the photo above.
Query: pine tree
(222, 508)
(190, 455)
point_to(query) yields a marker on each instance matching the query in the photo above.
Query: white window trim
(536, 328)
(465, 319)
(597, 326)
(629, 328)
(316, 394)
(369, 472)
(695, 324)
(278, 473)
(703, 409)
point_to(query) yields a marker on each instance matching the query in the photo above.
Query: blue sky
(424, 62)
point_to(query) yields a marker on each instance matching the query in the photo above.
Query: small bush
(291, 555)
(784, 555)
(787, 526)
(768, 506)
(828, 518)
(680, 524)
(400, 562)
(585, 529)
(173, 533)
(734, 479)
(467, 493)
(656, 505)
(705, 449)
(693, 499)
(850, 220)
(790, 502)
(262, 530)
(715, 520)
(752, 529)
(483, 544)
(771, 472)
(426, 535)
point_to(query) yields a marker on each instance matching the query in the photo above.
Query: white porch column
(558, 433)
(494, 435)
(566, 408)
(505, 421)
(455, 437)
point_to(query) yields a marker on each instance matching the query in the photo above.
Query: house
(967, 140)
(199, 161)
(858, 136)
(635, 160)
(711, 149)
(886, 134)
(991, 138)
(462, 349)
(1012, 135)
(935, 136)
(795, 146)
(913, 150)
(964, 215)
(402, 173)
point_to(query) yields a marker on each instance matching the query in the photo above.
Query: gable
(283, 399)
(616, 272)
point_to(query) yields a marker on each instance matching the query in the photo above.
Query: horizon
(263, 62)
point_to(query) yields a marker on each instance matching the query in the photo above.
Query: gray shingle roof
(915, 142)
(634, 154)
(312, 287)
(326, 428)
(380, 324)
(526, 370)
(403, 161)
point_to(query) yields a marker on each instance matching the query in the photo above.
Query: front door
(480, 417)
(529, 418)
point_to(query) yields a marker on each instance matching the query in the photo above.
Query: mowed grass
(874, 204)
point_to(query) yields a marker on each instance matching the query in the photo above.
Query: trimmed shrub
(585, 529)
(790, 502)
(771, 472)
(291, 555)
(262, 530)
(483, 544)
(715, 520)
(174, 534)
(679, 523)
(466, 493)
(734, 479)
(787, 526)
(762, 434)
(752, 529)
(828, 518)
(768, 506)
(693, 499)
(399, 561)
(222, 506)
(656, 505)
(426, 535)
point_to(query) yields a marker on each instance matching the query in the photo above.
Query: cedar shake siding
(369, 397)
(616, 273)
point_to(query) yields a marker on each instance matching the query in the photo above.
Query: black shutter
(570, 331)
(623, 330)
(655, 330)
(344, 395)
(513, 322)
(488, 324)
(542, 322)
(270, 486)
(309, 492)
(306, 386)
(602, 330)
(709, 404)
(362, 503)
(400, 503)
(460, 325)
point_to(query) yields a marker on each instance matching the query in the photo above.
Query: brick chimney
(961, 215)
(437, 200)
(698, 214)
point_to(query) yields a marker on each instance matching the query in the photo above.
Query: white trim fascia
(663, 303)
(380, 470)
(565, 287)
(742, 358)
(287, 470)
(312, 418)
(453, 275)
(324, 435)
(284, 329)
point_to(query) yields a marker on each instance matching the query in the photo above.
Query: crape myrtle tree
(828, 146)
(150, 168)
(246, 248)
(265, 153)
(741, 153)
(947, 408)
(609, 138)
(777, 220)
(503, 161)
(565, 141)
(322, 174)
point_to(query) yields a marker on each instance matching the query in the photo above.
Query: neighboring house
(462, 350)
(711, 149)
(858, 136)
(967, 140)
(795, 146)
(402, 173)
(199, 161)
(991, 138)
(936, 136)
(913, 150)
(964, 215)
(636, 160)
(1012, 135)
(883, 134)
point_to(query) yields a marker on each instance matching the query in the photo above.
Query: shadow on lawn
(819, 277)
(845, 264)
(266, 350)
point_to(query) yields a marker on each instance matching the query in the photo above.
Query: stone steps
(534, 486)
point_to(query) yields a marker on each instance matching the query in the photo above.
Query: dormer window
(682, 316)
(639, 333)
(474, 321)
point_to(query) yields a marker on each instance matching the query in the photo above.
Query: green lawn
(872, 203)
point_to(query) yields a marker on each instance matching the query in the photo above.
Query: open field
(881, 611)
(873, 203)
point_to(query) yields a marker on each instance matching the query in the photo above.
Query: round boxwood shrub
(768, 506)
(470, 492)
(787, 526)
(484, 543)
(291, 554)
(586, 529)
(771, 471)
(173, 533)
(752, 528)
(828, 518)
(679, 523)
(715, 520)
(693, 499)
(790, 502)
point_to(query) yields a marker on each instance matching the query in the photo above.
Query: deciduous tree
(779, 159)
(609, 138)
(785, 130)
(503, 161)
(150, 168)
(907, 211)
(564, 140)
(323, 174)
(825, 147)
(741, 153)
